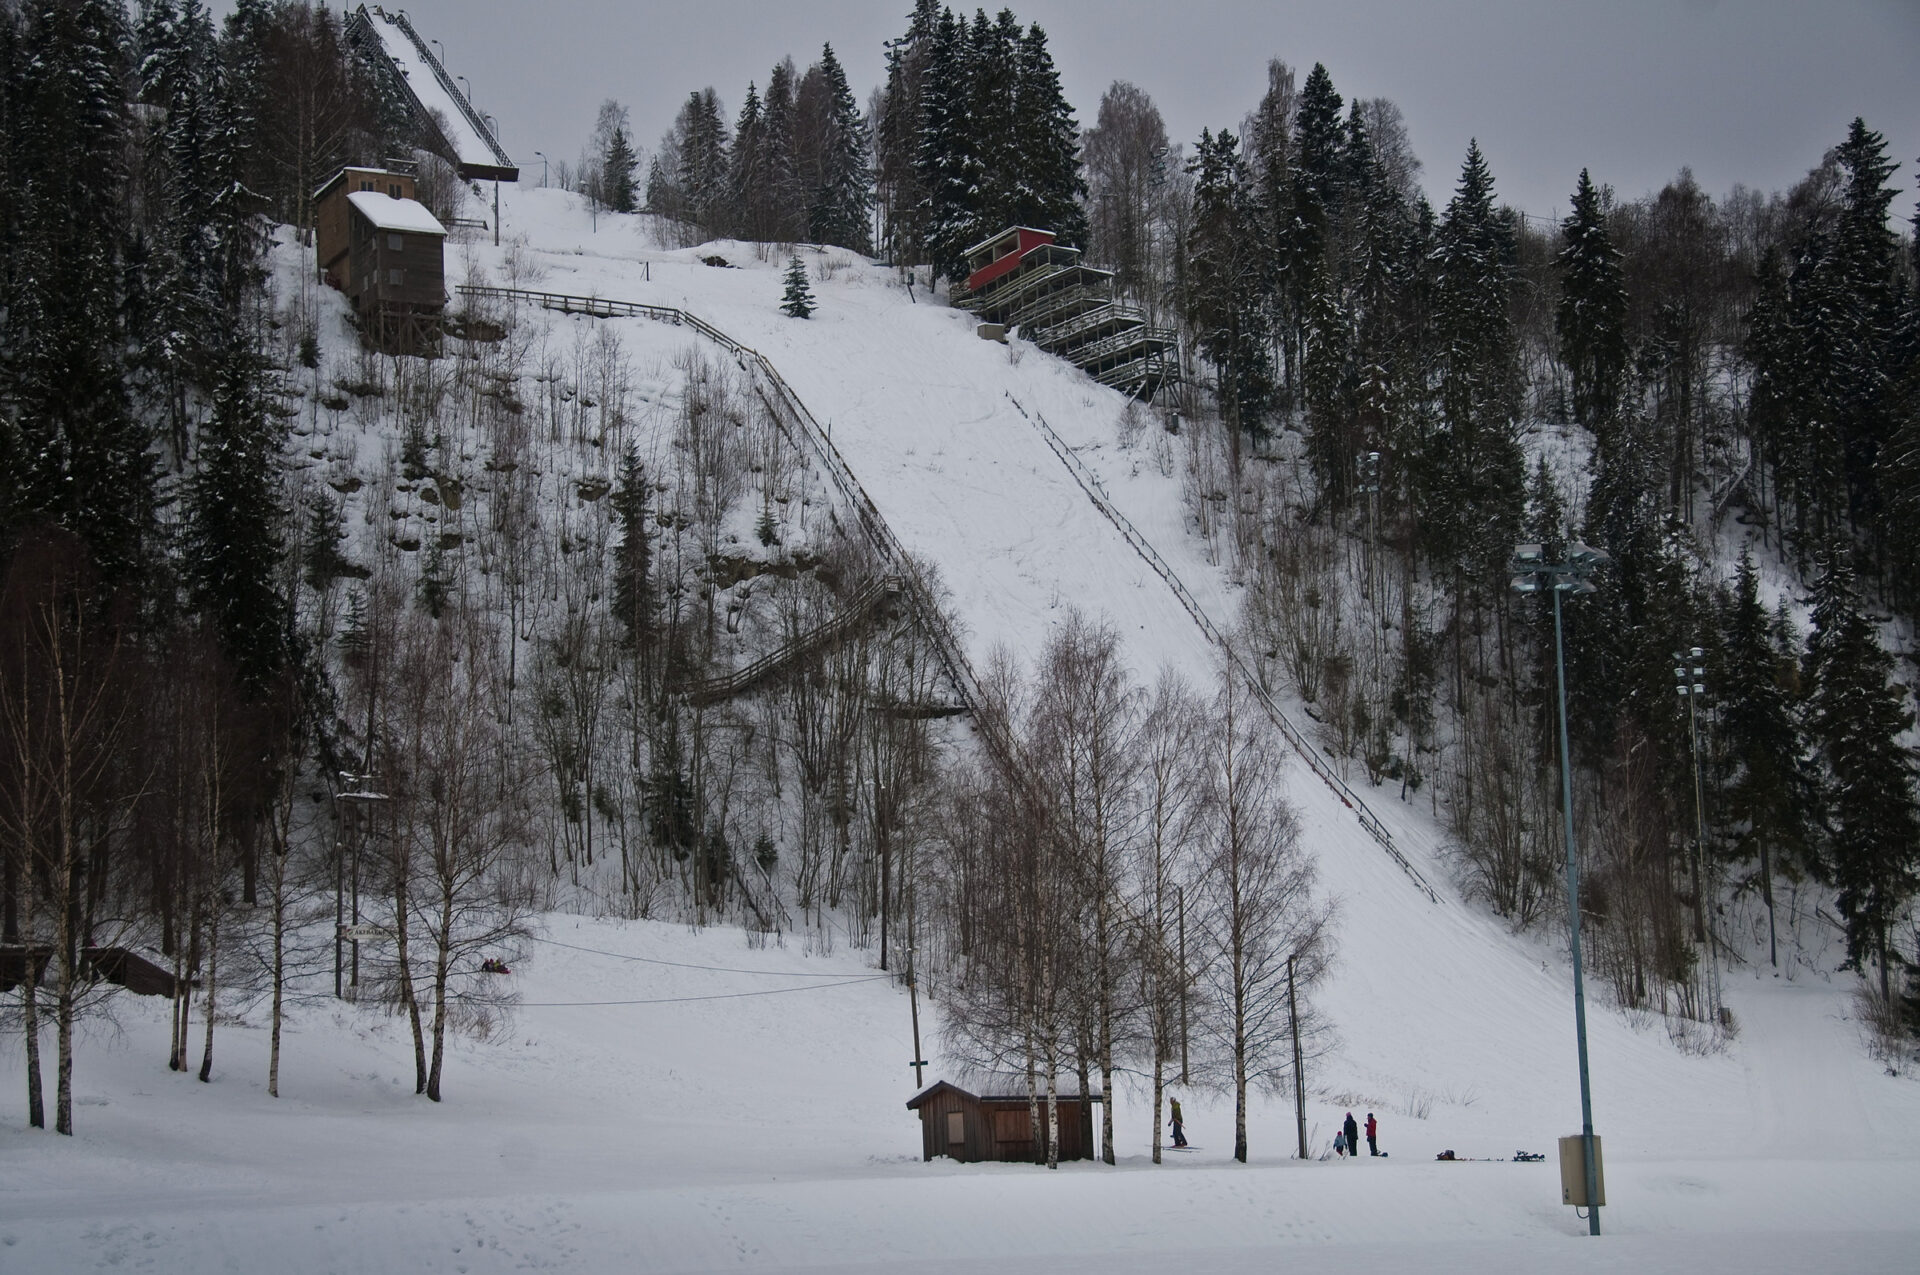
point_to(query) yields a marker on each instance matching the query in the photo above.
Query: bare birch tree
(1260, 907)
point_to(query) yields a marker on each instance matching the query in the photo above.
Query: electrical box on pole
(1573, 1172)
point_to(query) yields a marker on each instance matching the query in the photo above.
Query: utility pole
(1299, 1066)
(913, 999)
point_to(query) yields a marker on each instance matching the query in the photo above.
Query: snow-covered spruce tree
(1049, 190)
(1868, 357)
(946, 212)
(777, 206)
(844, 196)
(1856, 714)
(896, 141)
(1304, 225)
(990, 127)
(617, 167)
(234, 520)
(82, 453)
(174, 297)
(797, 301)
(746, 176)
(1592, 313)
(1767, 795)
(1472, 471)
(1224, 292)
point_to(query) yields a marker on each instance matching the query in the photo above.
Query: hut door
(956, 1128)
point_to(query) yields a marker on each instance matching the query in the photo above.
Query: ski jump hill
(641, 1113)
(449, 125)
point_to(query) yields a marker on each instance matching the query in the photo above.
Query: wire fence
(1097, 493)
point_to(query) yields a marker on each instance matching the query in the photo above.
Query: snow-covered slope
(769, 1132)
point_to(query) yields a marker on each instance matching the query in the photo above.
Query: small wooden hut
(970, 1127)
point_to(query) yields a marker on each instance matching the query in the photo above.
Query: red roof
(1028, 240)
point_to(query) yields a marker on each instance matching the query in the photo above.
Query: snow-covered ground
(768, 1131)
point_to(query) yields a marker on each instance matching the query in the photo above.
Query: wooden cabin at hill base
(971, 1128)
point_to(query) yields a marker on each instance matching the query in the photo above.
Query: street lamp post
(1532, 573)
(1691, 688)
(342, 930)
(542, 157)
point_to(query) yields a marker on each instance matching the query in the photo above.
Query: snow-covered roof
(388, 213)
(475, 152)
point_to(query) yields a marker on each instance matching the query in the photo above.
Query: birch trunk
(1053, 1111)
(209, 1000)
(440, 960)
(30, 1008)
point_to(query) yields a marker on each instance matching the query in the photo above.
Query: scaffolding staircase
(1068, 309)
(853, 617)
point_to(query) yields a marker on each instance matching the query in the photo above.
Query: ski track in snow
(770, 1133)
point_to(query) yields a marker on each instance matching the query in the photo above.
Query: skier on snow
(1179, 1133)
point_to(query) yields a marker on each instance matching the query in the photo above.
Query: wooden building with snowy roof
(385, 251)
(998, 1125)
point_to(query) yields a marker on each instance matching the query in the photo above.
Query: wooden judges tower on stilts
(1022, 277)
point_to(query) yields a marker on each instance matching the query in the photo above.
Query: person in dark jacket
(1179, 1132)
(1373, 1132)
(1352, 1131)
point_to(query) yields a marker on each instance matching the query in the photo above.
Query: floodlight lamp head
(1696, 652)
(1577, 586)
(1531, 555)
(1585, 555)
(1526, 584)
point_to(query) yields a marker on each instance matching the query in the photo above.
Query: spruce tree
(234, 520)
(778, 206)
(1766, 791)
(1856, 715)
(1866, 253)
(1591, 318)
(82, 453)
(633, 556)
(897, 134)
(616, 172)
(844, 196)
(797, 301)
(1472, 469)
(1224, 292)
(745, 180)
(1050, 191)
(945, 217)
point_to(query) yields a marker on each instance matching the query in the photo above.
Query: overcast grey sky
(1748, 91)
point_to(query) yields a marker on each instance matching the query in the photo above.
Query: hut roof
(388, 213)
(1008, 1092)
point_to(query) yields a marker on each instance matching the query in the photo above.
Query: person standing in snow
(1373, 1132)
(1340, 1144)
(1179, 1131)
(1352, 1131)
